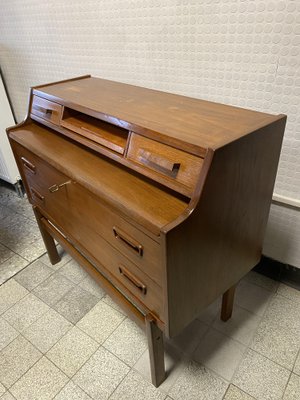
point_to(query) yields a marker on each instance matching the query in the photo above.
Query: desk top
(180, 120)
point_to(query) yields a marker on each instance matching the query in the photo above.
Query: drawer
(164, 160)
(130, 241)
(46, 109)
(124, 272)
(69, 204)
(41, 180)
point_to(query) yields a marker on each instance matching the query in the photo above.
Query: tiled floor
(62, 338)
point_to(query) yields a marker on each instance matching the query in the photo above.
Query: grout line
(31, 365)
(119, 384)
(298, 355)
(286, 385)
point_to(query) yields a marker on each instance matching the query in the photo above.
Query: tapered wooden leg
(227, 303)
(156, 351)
(48, 239)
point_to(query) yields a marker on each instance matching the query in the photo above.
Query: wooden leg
(227, 303)
(48, 239)
(156, 351)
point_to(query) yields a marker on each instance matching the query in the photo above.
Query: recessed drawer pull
(120, 235)
(37, 195)
(28, 165)
(55, 187)
(158, 163)
(43, 109)
(135, 281)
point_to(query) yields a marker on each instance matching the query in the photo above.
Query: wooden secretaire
(164, 199)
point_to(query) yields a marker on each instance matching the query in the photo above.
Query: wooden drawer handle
(37, 195)
(43, 109)
(130, 242)
(135, 281)
(55, 187)
(28, 165)
(158, 163)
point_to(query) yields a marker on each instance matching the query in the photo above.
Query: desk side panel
(222, 239)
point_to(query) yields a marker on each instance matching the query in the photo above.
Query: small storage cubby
(108, 135)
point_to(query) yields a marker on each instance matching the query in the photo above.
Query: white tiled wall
(245, 53)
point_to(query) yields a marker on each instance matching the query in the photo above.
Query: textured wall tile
(235, 52)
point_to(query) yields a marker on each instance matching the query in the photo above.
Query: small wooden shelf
(108, 135)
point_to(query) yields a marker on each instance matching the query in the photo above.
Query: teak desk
(163, 199)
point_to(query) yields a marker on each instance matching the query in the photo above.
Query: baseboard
(278, 271)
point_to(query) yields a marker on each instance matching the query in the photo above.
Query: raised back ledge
(187, 123)
(138, 200)
(151, 134)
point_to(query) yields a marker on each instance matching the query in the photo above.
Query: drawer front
(39, 177)
(130, 241)
(164, 160)
(125, 273)
(46, 109)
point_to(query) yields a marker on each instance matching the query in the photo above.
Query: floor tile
(234, 393)
(11, 218)
(10, 293)
(72, 392)
(53, 288)
(73, 271)
(11, 267)
(252, 297)
(75, 304)
(278, 334)
(5, 253)
(7, 396)
(197, 383)
(134, 387)
(241, 326)
(289, 292)
(261, 280)
(108, 300)
(260, 377)
(292, 391)
(174, 365)
(72, 351)
(127, 342)
(297, 365)
(7, 333)
(31, 251)
(65, 257)
(20, 205)
(4, 210)
(33, 275)
(90, 285)
(47, 330)
(25, 312)
(219, 353)
(42, 382)
(16, 359)
(210, 313)
(277, 343)
(189, 338)
(100, 322)
(20, 235)
(100, 376)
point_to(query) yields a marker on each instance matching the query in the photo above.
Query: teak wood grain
(161, 159)
(144, 202)
(167, 211)
(108, 135)
(192, 123)
(47, 110)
